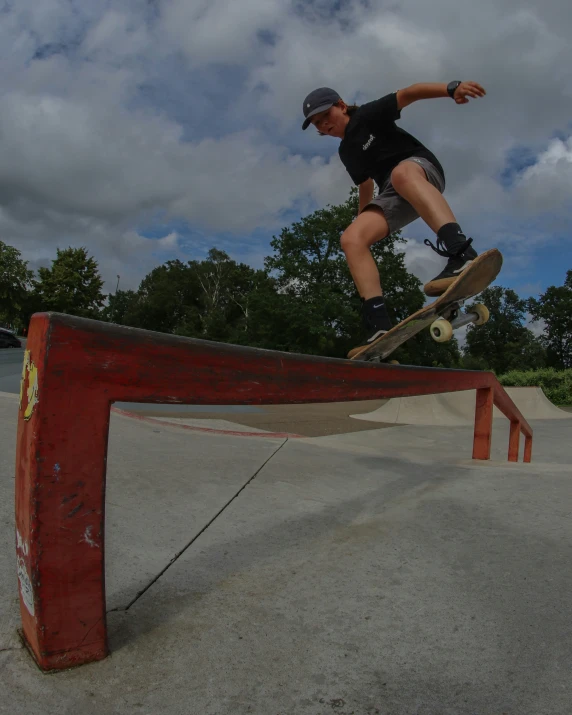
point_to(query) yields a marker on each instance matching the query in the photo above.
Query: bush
(556, 384)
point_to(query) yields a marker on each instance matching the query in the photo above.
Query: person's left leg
(411, 182)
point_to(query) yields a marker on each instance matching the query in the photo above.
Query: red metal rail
(74, 369)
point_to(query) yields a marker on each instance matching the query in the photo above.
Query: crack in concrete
(192, 541)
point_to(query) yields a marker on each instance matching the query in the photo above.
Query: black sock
(452, 236)
(374, 305)
(375, 313)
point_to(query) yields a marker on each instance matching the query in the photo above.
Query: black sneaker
(376, 323)
(376, 320)
(373, 332)
(457, 263)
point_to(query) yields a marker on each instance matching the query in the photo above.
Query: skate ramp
(458, 408)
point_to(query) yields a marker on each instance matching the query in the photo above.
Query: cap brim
(313, 113)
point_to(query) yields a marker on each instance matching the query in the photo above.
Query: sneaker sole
(435, 288)
(355, 351)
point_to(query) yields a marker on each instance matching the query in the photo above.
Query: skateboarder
(410, 181)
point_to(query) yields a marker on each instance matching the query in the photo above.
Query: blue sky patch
(518, 159)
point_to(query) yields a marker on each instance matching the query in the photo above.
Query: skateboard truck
(442, 329)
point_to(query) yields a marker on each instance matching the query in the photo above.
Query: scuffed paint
(22, 545)
(26, 590)
(75, 510)
(88, 539)
(30, 371)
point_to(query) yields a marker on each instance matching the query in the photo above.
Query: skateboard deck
(478, 276)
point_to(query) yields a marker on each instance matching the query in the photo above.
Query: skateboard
(443, 315)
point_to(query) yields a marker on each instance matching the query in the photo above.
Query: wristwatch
(451, 87)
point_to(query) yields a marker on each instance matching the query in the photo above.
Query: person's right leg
(356, 241)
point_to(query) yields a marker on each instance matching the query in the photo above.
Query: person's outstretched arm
(433, 90)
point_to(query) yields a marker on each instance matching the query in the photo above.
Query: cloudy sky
(154, 129)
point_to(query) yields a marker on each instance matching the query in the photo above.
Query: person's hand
(466, 90)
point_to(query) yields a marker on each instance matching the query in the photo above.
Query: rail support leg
(527, 448)
(514, 441)
(60, 504)
(483, 423)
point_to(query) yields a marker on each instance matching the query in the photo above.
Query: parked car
(8, 339)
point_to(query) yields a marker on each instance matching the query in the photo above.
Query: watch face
(452, 86)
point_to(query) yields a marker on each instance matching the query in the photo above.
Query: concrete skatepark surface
(373, 571)
(455, 408)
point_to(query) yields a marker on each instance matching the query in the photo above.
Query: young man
(410, 181)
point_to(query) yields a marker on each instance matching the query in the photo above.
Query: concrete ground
(378, 571)
(314, 420)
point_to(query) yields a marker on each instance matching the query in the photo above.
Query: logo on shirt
(368, 142)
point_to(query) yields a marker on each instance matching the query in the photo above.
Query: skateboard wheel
(441, 330)
(482, 311)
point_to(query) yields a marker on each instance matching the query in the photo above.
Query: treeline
(304, 300)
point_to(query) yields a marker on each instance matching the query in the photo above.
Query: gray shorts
(397, 211)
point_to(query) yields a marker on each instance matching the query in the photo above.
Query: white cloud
(110, 115)
(114, 37)
(106, 164)
(409, 45)
(220, 31)
(116, 248)
(547, 184)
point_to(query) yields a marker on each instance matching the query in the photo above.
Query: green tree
(207, 299)
(163, 299)
(225, 290)
(15, 283)
(554, 307)
(72, 285)
(503, 343)
(119, 307)
(282, 321)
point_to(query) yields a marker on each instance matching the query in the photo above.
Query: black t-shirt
(373, 145)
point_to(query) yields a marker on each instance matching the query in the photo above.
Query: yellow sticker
(30, 371)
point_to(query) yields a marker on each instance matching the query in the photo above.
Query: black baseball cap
(318, 101)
